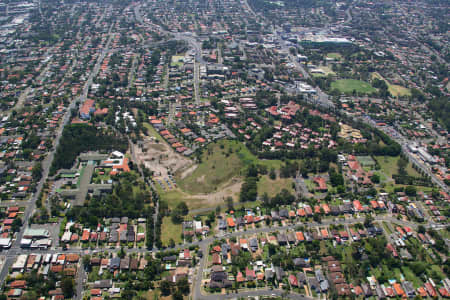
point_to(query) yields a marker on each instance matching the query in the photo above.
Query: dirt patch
(160, 158)
(230, 190)
(201, 179)
(188, 171)
(157, 147)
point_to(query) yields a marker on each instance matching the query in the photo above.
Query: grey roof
(319, 275)
(279, 273)
(301, 277)
(324, 286)
(114, 263)
(103, 284)
(114, 236)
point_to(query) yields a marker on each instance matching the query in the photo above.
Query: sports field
(350, 85)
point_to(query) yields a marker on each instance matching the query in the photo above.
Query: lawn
(394, 89)
(398, 90)
(177, 61)
(349, 85)
(273, 187)
(173, 197)
(334, 55)
(389, 167)
(220, 162)
(169, 230)
(326, 71)
(409, 275)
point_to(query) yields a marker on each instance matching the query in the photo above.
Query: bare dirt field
(160, 158)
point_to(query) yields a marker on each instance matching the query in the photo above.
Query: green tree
(68, 287)
(165, 287)
(183, 286)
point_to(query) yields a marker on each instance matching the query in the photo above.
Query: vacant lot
(273, 187)
(394, 89)
(177, 61)
(220, 163)
(326, 71)
(169, 230)
(158, 156)
(350, 85)
(398, 90)
(334, 55)
(389, 167)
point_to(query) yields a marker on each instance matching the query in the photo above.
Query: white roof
(5, 242)
(20, 262)
(117, 153)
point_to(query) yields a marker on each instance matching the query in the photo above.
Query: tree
(410, 190)
(183, 285)
(401, 165)
(37, 171)
(165, 287)
(121, 253)
(375, 178)
(368, 220)
(249, 190)
(16, 224)
(183, 208)
(86, 261)
(68, 287)
(177, 295)
(421, 229)
(229, 201)
(272, 174)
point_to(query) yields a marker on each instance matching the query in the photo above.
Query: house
(284, 213)
(282, 239)
(240, 277)
(279, 273)
(222, 224)
(291, 237)
(293, 281)
(114, 263)
(314, 284)
(103, 284)
(300, 262)
(125, 263)
(216, 260)
(409, 289)
(253, 244)
(301, 278)
(250, 274)
(268, 274)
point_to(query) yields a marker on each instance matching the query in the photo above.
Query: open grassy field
(398, 90)
(326, 71)
(389, 167)
(220, 162)
(394, 89)
(175, 196)
(349, 85)
(273, 187)
(217, 167)
(334, 55)
(169, 230)
(177, 61)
